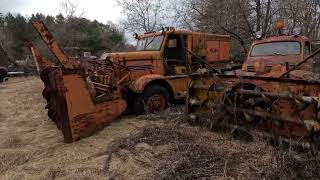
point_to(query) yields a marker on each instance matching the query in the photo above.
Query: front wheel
(153, 99)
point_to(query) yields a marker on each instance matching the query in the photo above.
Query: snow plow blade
(82, 96)
(71, 107)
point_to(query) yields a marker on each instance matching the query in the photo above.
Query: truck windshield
(150, 43)
(276, 49)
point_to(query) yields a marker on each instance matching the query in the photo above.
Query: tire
(50, 113)
(129, 97)
(154, 99)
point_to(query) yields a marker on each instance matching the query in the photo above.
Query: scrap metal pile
(276, 91)
(281, 102)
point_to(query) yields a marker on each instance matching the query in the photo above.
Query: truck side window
(175, 54)
(172, 43)
(174, 50)
(307, 49)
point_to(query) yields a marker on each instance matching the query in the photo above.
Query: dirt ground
(158, 146)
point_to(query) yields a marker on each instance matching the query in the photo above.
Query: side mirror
(136, 36)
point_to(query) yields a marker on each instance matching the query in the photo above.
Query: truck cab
(159, 68)
(268, 52)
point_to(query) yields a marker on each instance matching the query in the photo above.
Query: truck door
(176, 65)
(316, 59)
(175, 55)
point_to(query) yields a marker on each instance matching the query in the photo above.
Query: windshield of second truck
(152, 43)
(276, 49)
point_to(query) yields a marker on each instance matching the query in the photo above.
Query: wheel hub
(156, 103)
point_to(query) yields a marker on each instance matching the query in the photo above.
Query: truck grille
(250, 68)
(268, 68)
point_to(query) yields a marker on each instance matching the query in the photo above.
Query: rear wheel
(154, 99)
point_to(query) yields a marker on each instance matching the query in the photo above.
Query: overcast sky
(101, 10)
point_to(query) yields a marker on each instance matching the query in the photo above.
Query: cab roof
(281, 38)
(183, 32)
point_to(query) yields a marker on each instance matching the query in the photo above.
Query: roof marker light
(297, 31)
(258, 35)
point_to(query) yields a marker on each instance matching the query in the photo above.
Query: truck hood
(132, 56)
(272, 60)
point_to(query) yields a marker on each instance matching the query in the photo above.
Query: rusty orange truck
(277, 90)
(286, 49)
(160, 66)
(83, 97)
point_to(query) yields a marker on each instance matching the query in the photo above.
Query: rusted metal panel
(225, 47)
(179, 86)
(77, 95)
(85, 124)
(218, 51)
(213, 51)
(271, 61)
(139, 84)
(178, 83)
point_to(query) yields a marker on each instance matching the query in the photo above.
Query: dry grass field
(158, 146)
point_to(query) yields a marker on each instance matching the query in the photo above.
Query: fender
(138, 85)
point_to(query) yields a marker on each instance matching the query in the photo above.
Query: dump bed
(213, 48)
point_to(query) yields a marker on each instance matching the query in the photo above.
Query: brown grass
(158, 146)
(31, 147)
(184, 152)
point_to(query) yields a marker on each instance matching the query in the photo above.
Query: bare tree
(70, 9)
(142, 15)
(221, 17)
(242, 19)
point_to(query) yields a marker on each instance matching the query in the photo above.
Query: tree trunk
(266, 19)
(259, 14)
(4, 58)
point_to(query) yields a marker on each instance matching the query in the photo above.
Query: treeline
(239, 18)
(69, 32)
(242, 19)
